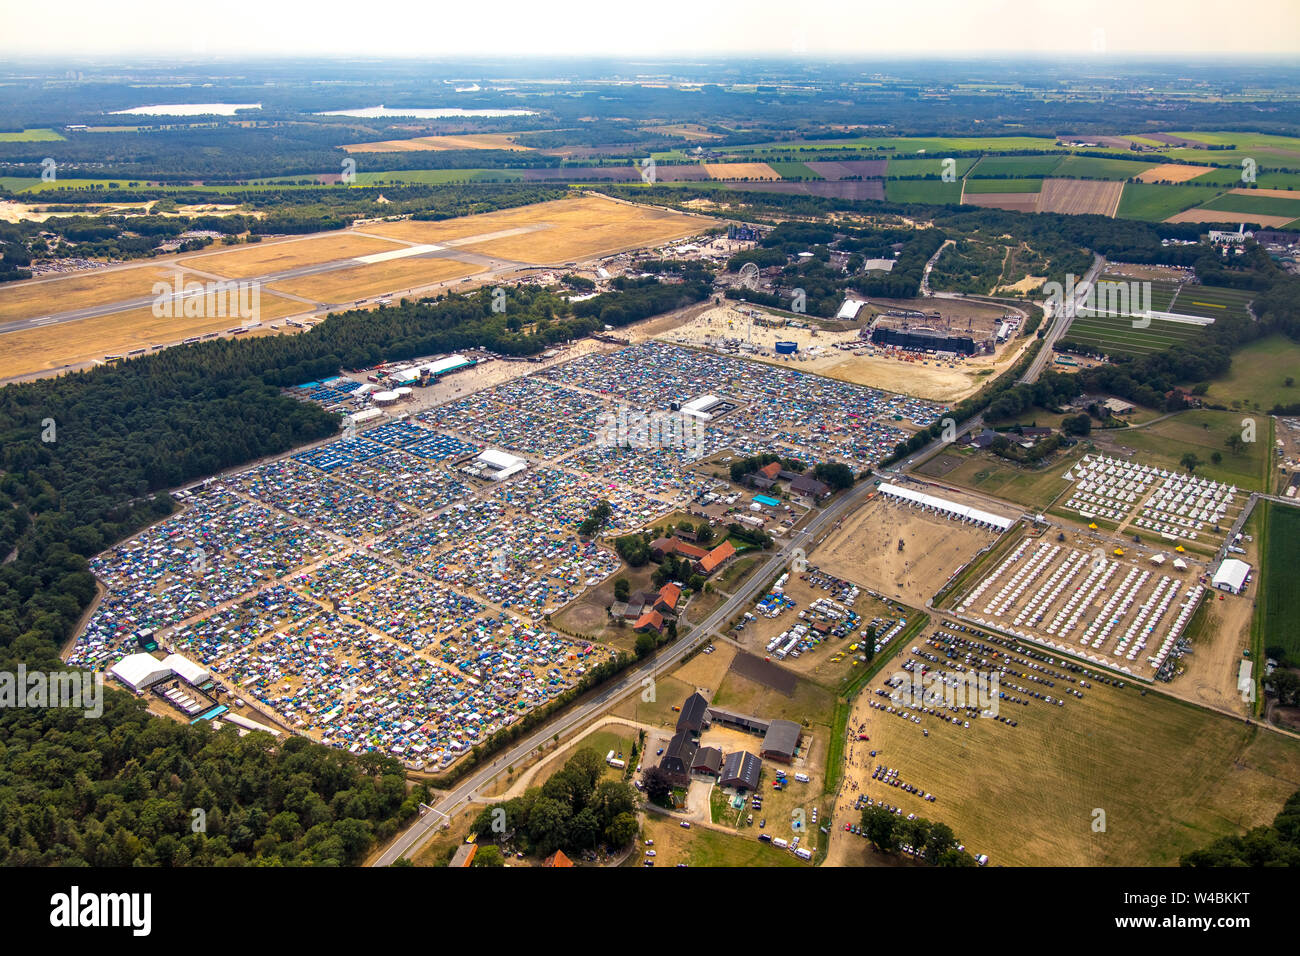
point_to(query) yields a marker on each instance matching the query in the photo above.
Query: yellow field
(439, 143)
(558, 231)
(741, 171)
(359, 282)
(1222, 215)
(1275, 193)
(1171, 173)
(72, 343)
(39, 297)
(264, 258)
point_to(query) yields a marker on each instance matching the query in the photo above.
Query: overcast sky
(626, 27)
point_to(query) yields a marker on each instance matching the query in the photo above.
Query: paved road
(410, 841)
(1056, 325)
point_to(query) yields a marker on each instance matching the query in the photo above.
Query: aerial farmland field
(1022, 166)
(1080, 196)
(1152, 202)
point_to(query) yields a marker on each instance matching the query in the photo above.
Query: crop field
(266, 258)
(32, 136)
(1003, 186)
(927, 167)
(1016, 202)
(741, 171)
(439, 143)
(1212, 301)
(1225, 219)
(1080, 196)
(934, 191)
(1154, 202)
(1174, 173)
(1266, 149)
(1287, 182)
(1258, 374)
(560, 230)
(1116, 334)
(794, 171)
(907, 146)
(1279, 599)
(850, 169)
(1014, 166)
(1272, 203)
(837, 189)
(72, 343)
(358, 282)
(1100, 167)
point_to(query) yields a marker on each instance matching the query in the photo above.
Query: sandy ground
(926, 377)
(865, 550)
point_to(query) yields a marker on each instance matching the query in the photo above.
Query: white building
(1231, 575)
(140, 671)
(700, 407)
(849, 310)
(184, 668)
(500, 464)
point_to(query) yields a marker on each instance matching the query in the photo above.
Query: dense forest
(573, 811)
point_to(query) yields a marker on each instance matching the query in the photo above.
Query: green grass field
(906, 146)
(983, 471)
(1004, 185)
(1258, 375)
(1256, 205)
(1204, 432)
(1277, 597)
(927, 167)
(1230, 177)
(32, 136)
(794, 170)
(1099, 167)
(922, 190)
(1154, 202)
(1014, 166)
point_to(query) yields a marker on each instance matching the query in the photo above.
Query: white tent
(186, 669)
(140, 671)
(1231, 575)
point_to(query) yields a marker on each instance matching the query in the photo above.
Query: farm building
(1231, 575)
(694, 715)
(708, 760)
(679, 758)
(781, 741)
(1117, 406)
(741, 770)
(746, 722)
(715, 558)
